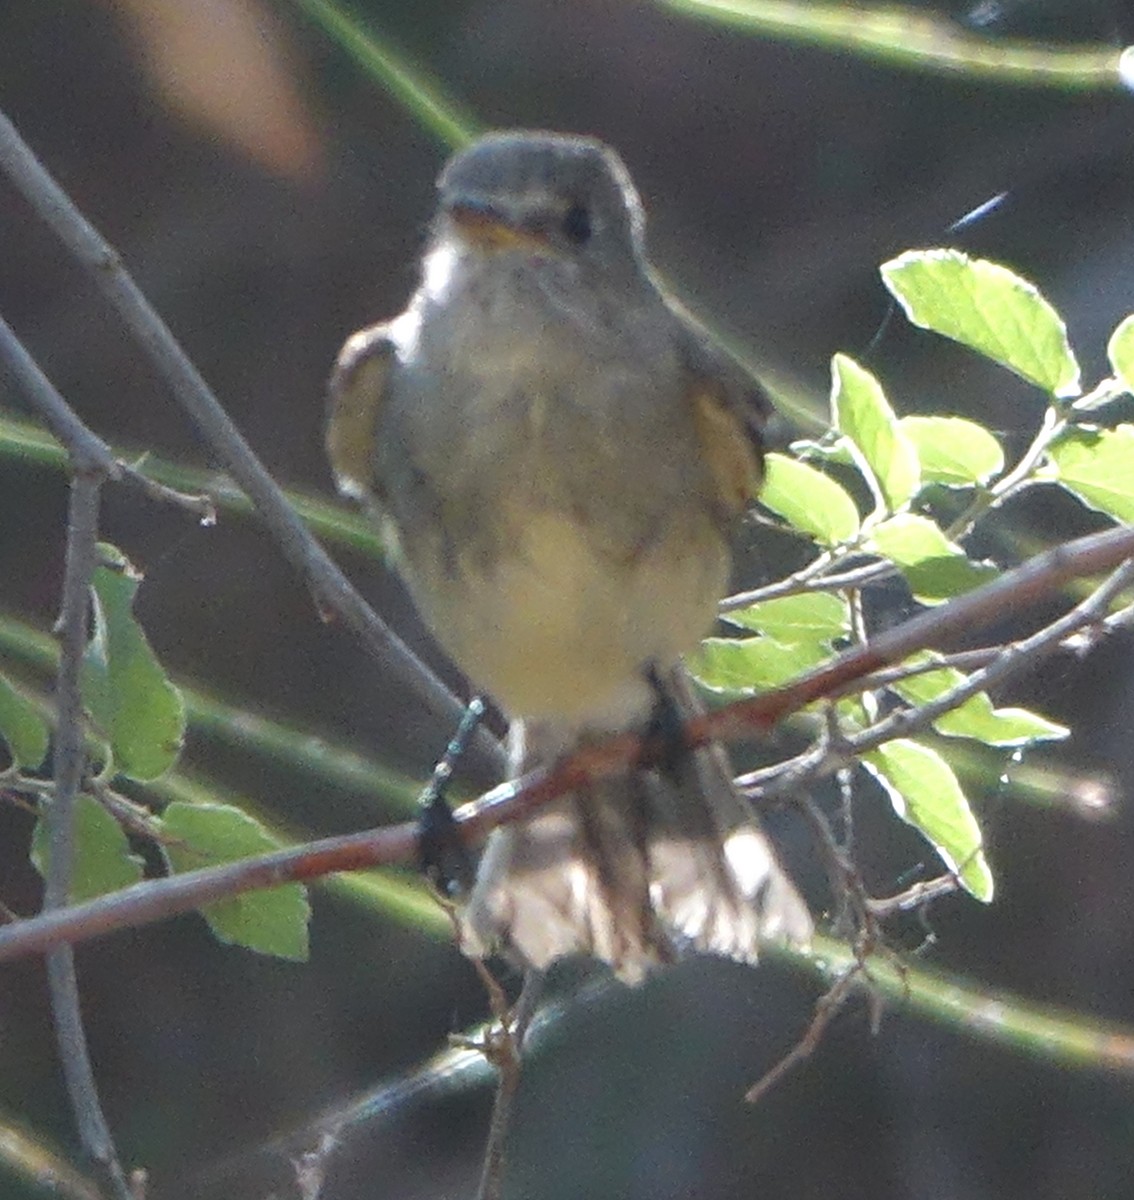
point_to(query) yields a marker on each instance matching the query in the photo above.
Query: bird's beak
(487, 228)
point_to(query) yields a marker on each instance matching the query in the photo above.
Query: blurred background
(270, 198)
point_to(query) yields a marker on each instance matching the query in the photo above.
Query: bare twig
(917, 896)
(87, 451)
(1021, 476)
(809, 580)
(962, 660)
(70, 764)
(502, 1050)
(198, 503)
(332, 590)
(92, 464)
(826, 1009)
(503, 1047)
(1008, 661)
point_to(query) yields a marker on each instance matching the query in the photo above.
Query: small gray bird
(556, 453)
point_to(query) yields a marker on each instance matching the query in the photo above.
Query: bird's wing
(355, 396)
(730, 412)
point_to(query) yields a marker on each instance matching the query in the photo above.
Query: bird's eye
(577, 224)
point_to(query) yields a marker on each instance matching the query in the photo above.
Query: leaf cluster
(914, 471)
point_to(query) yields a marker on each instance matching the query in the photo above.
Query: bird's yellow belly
(557, 628)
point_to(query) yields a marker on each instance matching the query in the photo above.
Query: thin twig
(962, 660)
(815, 764)
(501, 1049)
(332, 590)
(1036, 579)
(826, 1008)
(69, 766)
(505, 1053)
(87, 451)
(201, 505)
(917, 896)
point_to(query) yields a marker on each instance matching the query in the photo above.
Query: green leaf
(1120, 351)
(815, 618)
(124, 687)
(860, 411)
(1098, 466)
(953, 451)
(745, 666)
(22, 727)
(103, 862)
(935, 568)
(273, 921)
(988, 308)
(808, 500)
(925, 793)
(836, 450)
(976, 718)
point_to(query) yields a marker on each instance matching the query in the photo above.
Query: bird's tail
(634, 870)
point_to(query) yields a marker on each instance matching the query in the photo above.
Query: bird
(557, 454)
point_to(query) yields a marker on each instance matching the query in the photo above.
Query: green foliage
(879, 445)
(1120, 351)
(988, 308)
(125, 689)
(103, 862)
(204, 835)
(22, 727)
(904, 463)
(935, 568)
(953, 451)
(925, 792)
(976, 717)
(746, 666)
(1097, 465)
(809, 501)
(817, 617)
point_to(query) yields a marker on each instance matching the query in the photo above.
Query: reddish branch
(1037, 579)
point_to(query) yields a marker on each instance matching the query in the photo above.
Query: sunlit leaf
(809, 501)
(272, 921)
(988, 308)
(977, 717)
(925, 793)
(1098, 466)
(953, 451)
(744, 666)
(816, 617)
(861, 412)
(935, 568)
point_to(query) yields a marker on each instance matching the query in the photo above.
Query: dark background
(270, 199)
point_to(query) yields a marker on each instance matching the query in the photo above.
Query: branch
(332, 590)
(85, 449)
(155, 900)
(1035, 580)
(502, 1046)
(70, 760)
(92, 464)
